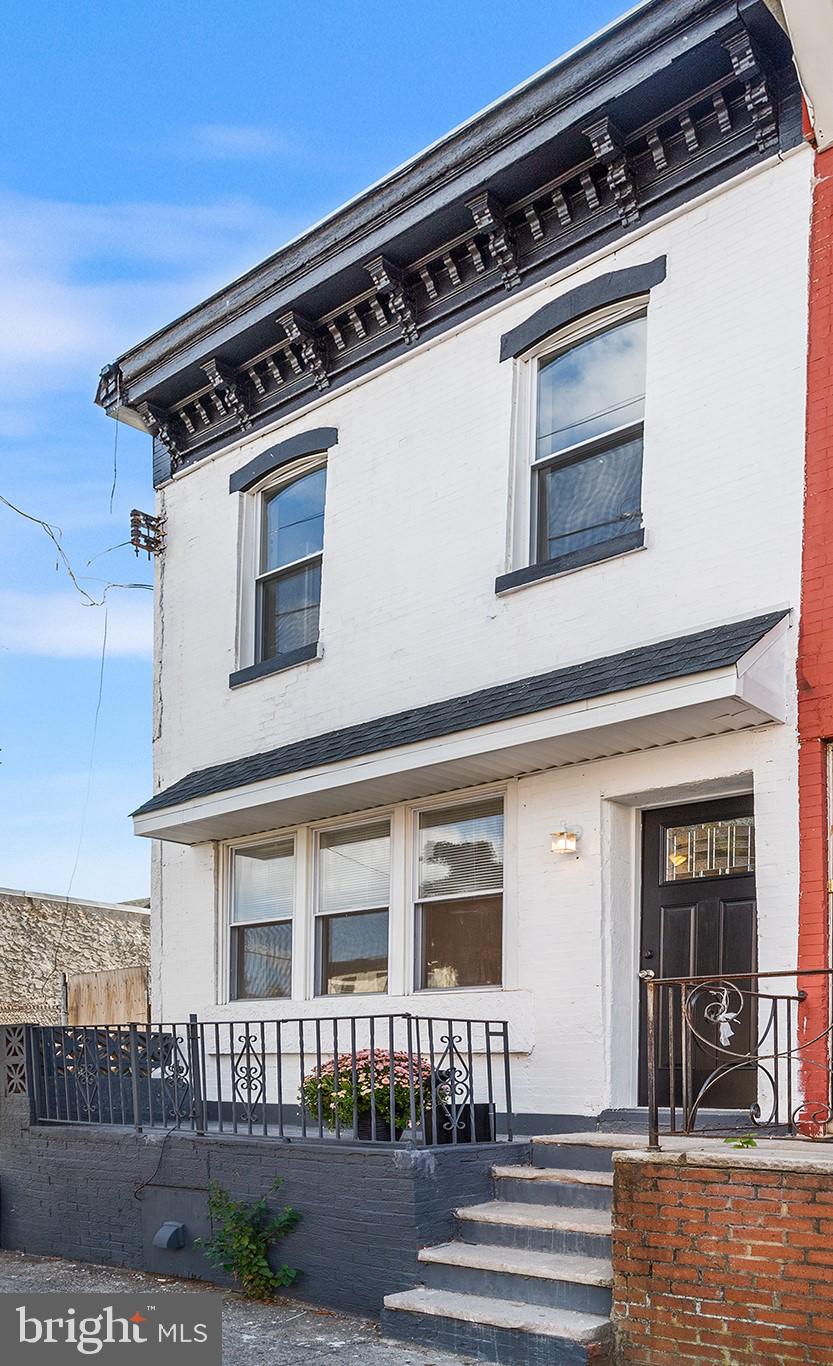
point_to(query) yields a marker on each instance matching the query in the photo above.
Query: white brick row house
(476, 614)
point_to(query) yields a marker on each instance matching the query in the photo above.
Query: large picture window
(262, 902)
(289, 577)
(460, 896)
(353, 899)
(587, 461)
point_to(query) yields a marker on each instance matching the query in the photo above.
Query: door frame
(683, 813)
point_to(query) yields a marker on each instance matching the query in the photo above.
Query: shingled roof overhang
(711, 682)
(666, 102)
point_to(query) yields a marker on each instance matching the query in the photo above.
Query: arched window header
(612, 288)
(294, 448)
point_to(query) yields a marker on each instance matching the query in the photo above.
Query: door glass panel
(710, 849)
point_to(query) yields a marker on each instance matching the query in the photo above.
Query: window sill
(267, 667)
(575, 559)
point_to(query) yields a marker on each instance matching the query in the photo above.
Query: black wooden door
(698, 919)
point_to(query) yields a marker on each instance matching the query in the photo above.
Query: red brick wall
(815, 661)
(722, 1264)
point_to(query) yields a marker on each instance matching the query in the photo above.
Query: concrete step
(558, 1280)
(545, 1228)
(591, 1151)
(554, 1186)
(496, 1330)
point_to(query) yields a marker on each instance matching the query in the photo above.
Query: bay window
(460, 896)
(262, 903)
(352, 906)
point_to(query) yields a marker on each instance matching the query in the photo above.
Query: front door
(699, 919)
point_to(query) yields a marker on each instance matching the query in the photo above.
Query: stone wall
(723, 1257)
(45, 936)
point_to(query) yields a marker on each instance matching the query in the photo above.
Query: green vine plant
(243, 1233)
(742, 1141)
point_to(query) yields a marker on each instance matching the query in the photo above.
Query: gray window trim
(294, 448)
(613, 288)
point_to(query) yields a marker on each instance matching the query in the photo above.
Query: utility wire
(55, 533)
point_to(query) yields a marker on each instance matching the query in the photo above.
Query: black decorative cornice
(229, 392)
(490, 216)
(709, 97)
(391, 288)
(747, 67)
(609, 148)
(310, 347)
(165, 428)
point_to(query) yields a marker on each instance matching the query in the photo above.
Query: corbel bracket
(489, 216)
(312, 352)
(609, 149)
(756, 93)
(390, 286)
(164, 427)
(231, 389)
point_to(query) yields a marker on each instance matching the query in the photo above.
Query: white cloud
(82, 282)
(60, 626)
(233, 142)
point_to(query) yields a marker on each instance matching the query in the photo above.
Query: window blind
(264, 881)
(461, 850)
(354, 868)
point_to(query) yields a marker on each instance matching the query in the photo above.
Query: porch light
(565, 840)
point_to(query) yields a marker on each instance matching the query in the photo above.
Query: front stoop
(527, 1282)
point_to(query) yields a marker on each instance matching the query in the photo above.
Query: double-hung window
(587, 459)
(289, 570)
(262, 902)
(459, 941)
(352, 905)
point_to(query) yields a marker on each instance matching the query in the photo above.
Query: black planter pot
(364, 1128)
(444, 1129)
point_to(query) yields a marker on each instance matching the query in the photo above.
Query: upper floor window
(460, 896)
(587, 458)
(289, 569)
(262, 902)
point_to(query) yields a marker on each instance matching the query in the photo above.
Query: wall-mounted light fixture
(565, 839)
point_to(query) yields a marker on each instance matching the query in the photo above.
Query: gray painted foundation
(99, 1195)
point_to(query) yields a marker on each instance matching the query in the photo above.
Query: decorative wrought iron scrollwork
(453, 1083)
(248, 1076)
(730, 1026)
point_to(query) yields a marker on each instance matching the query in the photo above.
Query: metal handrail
(687, 1018)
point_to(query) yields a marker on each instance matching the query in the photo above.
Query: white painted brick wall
(416, 529)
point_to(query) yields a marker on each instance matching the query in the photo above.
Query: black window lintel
(294, 448)
(612, 288)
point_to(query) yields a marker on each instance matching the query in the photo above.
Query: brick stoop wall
(99, 1194)
(723, 1257)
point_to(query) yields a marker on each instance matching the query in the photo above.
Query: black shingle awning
(680, 657)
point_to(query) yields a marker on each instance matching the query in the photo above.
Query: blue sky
(149, 153)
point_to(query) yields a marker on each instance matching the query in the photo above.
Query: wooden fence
(111, 996)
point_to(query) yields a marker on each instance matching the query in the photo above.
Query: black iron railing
(741, 1043)
(382, 1078)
